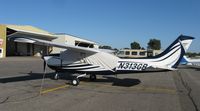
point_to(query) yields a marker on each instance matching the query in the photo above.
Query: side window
(134, 53)
(127, 53)
(142, 53)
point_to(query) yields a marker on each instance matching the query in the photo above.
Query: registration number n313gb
(131, 66)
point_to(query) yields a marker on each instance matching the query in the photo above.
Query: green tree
(135, 45)
(142, 48)
(191, 54)
(154, 44)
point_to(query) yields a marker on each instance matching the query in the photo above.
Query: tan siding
(3, 37)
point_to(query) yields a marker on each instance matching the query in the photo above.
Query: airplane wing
(90, 55)
(53, 44)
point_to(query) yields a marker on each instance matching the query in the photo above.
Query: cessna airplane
(188, 61)
(89, 61)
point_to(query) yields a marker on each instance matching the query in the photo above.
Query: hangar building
(72, 40)
(11, 48)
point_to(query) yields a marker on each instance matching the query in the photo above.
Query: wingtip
(185, 37)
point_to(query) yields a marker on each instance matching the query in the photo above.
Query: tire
(75, 82)
(56, 77)
(93, 77)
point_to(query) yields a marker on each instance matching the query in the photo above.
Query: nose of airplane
(46, 58)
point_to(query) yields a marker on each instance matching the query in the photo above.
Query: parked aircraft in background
(189, 61)
(89, 61)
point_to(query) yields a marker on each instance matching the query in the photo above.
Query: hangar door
(24, 49)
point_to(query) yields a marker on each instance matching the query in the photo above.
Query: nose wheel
(56, 77)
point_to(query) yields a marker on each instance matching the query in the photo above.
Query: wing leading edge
(53, 44)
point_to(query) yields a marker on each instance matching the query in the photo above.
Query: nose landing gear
(57, 76)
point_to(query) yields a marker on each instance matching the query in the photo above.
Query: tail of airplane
(172, 56)
(168, 59)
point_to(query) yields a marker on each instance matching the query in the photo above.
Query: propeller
(44, 72)
(44, 64)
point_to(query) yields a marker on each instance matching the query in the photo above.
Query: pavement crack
(187, 87)
(5, 100)
(15, 99)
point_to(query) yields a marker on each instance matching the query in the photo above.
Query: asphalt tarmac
(21, 79)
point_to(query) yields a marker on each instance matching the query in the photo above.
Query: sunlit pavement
(23, 88)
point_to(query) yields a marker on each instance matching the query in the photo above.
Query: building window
(142, 53)
(127, 53)
(134, 53)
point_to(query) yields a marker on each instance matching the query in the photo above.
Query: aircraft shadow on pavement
(30, 76)
(126, 82)
(196, 68)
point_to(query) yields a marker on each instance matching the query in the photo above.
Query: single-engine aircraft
(189, 61)
(90, 61)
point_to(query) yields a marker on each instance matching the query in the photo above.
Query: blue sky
(110, 22)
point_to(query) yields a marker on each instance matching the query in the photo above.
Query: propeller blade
(44, 63)
(44, 66)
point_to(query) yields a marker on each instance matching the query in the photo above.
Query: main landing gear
(75, 81)
(93, 77)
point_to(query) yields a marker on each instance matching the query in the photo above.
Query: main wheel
(56, 77)
(75, 82)
(93, 77)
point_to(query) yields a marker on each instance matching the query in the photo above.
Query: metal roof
(26, 30)
(75, 38)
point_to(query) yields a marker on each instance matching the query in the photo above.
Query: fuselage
(100, 62)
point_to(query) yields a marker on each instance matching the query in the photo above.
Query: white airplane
(188, 61)
(89, 61)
